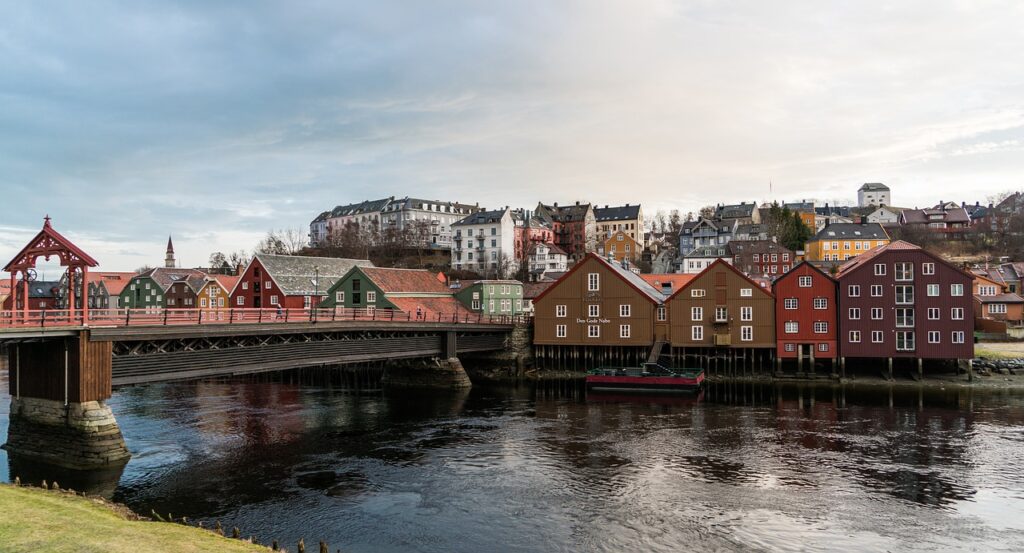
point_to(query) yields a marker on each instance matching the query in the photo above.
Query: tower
(169, 260)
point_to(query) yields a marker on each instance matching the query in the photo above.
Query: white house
(873, 193)
(884, 214)
(544, 257)
(484, 242)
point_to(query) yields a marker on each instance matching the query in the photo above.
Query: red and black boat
(651, 377)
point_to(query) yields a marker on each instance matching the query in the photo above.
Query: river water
(739, 468)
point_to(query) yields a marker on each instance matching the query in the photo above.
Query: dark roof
(482, 218)
(533, 289)
(735, 211)
(617, 213)
(566, 213)
(322, 217)
(737, 247)
(709, 251)
(43, 288)
(368, 206)
(417, 203)
(552, 248)
(931, 215)
(1006, 297)
(840, 210)
(165, 277)
(854, 231)
(754, 228)
(295, 274)
(873, 186)
(800, 206)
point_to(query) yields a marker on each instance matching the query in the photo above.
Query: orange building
(842, 241)
(216, 292)
(620, 245)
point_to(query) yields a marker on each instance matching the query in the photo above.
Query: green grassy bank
(33, 519)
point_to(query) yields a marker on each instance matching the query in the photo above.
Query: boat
(651, 377)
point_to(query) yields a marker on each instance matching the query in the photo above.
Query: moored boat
(651, 377)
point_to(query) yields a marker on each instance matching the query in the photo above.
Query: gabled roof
(430, 307)
(800, 206)
(564, 213)
(617, 213)
(533, 289)
(716, 263)
(634, 280)
(709, 251)
(851, 231)
(165, 277)
(829, 210)
(552, 248)
(114, 282)
(667, 283)
(931, 215)
(792, 273)
(322, 217)
(295, 274)
(49, 239)
(405, 281)
(863, 259)
(874, 186)
(227, 282)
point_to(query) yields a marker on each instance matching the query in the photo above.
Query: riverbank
(35, 519)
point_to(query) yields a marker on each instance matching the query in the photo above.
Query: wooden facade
(902, 301)
(74, 369)
(805, 314)
(722, 308)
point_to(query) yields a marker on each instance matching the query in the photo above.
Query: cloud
(132, 121)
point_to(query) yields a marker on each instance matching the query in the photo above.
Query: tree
(787, 227)
(675, 222)
(289, 241)
(707, 212)
(658, 224)
(271, 245)
(217, 259)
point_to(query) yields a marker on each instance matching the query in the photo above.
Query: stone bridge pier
(59, 387)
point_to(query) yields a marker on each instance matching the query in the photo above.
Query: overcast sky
(216, 121)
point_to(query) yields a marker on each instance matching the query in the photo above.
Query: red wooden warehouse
(291, 282)
(805, 316)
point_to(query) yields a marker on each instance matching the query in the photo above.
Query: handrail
(155, 316)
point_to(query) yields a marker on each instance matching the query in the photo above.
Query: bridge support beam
(443, 374)
(58, 411)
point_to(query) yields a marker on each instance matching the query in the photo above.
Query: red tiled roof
(533, 289)
(677, 280)
(431, 307)
(113, 281)
(405, 280)
(227, 282)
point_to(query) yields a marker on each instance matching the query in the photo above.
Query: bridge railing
(179, 316)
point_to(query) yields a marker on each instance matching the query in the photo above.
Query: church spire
(169, 260)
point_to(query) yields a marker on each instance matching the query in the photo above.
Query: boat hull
(632, 384)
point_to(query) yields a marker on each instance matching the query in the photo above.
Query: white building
(873, 193)
(884, 215)
(544, 258)
(699, 259)
(318, 229)
(484, 242)
(434, 217)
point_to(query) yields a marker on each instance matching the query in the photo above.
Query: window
(928, 269)
(490, 306)
(879, 269)
(746, 333)
(933, 336)
(273, 300)
(746, 313)
(593, 331)
(933, 290)
(696, 333)
(266, 285)
(792, 327)
(662, 314)
(905, 317)
(821, 303)
(593, 282)
(593, 310)
(933, 313)
(822, 347)
(147, 286)
(698, 293)
(160, 298)
(904, 294)
(371, 309)
(220, 302)
(306, 300)
(804, 282)
(820, 327)
(623, 331)
(854, 336)
(339, 297)
(560, 311)
(757, 258)
(696, 313)
(854, 291)
(904, 271)
(721, 314)
(854, 313)
(170, 301)
(746, 292)
(956, 289)
(240, 300)
(371, 297)
(876, 290)
(624, 310)
(789, 303)
(958, 337)
(790, 347)
(997, 308)
(785, 257)
(245, 286)
(905, 340)
(559, 331)
(957, 314)
(877, 336)
(876, 313)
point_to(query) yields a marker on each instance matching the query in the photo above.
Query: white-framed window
(879, 269)
(697, 293)
(853, 290)
(240, 300)
(696, 333)
(934, 336)
(147, 286)
(933, 290)
(273, 300)
(371, 297)
(159, 297)
(877, 336)
(623, 331)
(490, 305)
(746, 292)
(933, 313)
(170, 301)
(957, 314)
(876, 313)
(593, 310)
(746, 313)
(662, 313)
(721, 314)
(593, 331)
(821, 303)
(905, 340)
(905, 294)
(820, 327)
(790, 347)
(371, 309)
(306, 301)
(854, 314)
(997, 308)
(803, 282)
(876, 290)
(757, 258)
(792, 327)
(339, 297)
(625, 310)
(266, 284)
(696, 313)
(854, 337)
(957, 337)
(560, 310)
(905, 317)
(245, 286)
(956, 289)
(822, 347)
(559, 331)
(928, 269)
(220, 302)
(593, 282)
(789, 303)
(746, 333)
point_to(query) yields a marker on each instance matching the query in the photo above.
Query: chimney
(577, 202)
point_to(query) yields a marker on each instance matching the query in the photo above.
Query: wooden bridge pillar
(451, 345)
(59, 415)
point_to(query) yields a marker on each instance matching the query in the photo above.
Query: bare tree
(675, 222)
(659, 222)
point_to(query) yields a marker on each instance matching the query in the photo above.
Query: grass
(35, 520)
(980, 351)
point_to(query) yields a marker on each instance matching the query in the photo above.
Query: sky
(216, 121)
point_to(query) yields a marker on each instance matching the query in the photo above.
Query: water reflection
(738, 467)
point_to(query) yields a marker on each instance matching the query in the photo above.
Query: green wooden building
(491, 297)
(416, 291)
(152, 289)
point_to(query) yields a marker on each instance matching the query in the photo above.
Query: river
(739, 468)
